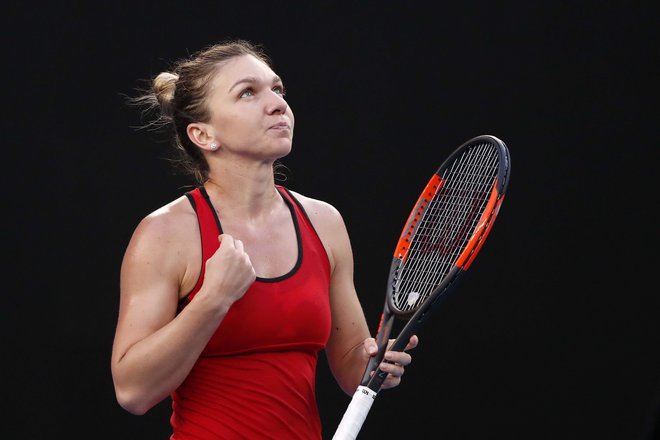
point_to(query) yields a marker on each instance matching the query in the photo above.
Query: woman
(229, 292)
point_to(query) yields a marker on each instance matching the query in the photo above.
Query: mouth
(281, 126)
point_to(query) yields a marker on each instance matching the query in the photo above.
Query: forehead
(239, 69)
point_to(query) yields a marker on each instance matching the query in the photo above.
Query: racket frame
(371, 383)
(415, 318)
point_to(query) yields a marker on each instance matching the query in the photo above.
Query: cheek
(291, 117)
(232, 126)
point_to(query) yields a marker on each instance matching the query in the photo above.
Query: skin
(154, 348)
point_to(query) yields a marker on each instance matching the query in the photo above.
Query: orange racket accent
(380, 323)
(401, 251)
(478, 237)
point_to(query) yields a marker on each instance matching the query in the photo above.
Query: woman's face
(249, 115)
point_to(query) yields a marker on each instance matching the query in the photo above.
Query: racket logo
(412, 297)
(368, 392)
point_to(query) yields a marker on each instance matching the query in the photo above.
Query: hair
(178, 97)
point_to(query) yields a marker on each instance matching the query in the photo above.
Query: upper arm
(152, 269)
(349, 327)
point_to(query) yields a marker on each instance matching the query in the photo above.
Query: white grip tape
(355, 414)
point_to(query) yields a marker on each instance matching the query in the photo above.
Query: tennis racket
(441, 238)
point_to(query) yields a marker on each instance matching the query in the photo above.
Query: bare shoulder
(329, 225)
(166, 242)
(167, 223)
(322, 214)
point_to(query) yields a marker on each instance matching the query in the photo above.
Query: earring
(214, 146)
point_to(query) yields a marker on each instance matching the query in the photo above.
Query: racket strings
(446, 225)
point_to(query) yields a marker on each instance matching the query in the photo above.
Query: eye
(279, 89)
(246, 93)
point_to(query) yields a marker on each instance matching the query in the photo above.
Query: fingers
(394, 362)
(238, 244)
(397, 358)
(414, 340)
(233, 249)
(371, 346)
(412, 343)
(231, 242)
(394, 366)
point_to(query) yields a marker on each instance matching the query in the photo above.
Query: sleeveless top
(255, 378)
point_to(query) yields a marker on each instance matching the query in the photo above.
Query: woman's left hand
(394, 362)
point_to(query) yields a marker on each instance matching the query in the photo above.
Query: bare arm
(154, 349)
(345, 349)
(350, 344)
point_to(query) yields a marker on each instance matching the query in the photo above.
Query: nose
(277, 104)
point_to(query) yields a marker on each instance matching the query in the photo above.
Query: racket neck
(382, 339)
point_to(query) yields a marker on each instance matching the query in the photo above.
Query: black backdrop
(555, 333)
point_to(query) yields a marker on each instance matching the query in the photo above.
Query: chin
(284, 148)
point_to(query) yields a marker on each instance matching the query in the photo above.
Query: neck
(250, 193)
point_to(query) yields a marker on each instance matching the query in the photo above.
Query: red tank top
(256, 377)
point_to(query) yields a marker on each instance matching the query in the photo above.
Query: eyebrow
(252, 80)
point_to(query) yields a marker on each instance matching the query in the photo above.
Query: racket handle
(355, 414)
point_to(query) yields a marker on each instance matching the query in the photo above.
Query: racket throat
(382, 339)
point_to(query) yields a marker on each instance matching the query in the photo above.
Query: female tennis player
(229, 292)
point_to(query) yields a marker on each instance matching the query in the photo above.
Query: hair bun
(164, 86)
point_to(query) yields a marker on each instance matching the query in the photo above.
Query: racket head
(448, 224)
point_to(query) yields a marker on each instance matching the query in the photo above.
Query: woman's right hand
(228, 272)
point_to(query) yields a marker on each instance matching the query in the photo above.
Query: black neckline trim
(296, 226)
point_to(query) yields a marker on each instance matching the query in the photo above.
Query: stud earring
(214, 146)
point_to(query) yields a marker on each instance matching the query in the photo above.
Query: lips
(280, 126)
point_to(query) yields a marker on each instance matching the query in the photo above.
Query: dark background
(555, 332)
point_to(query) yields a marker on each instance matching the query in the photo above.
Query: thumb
(371, 346)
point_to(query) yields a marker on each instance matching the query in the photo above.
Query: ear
(201, 135)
